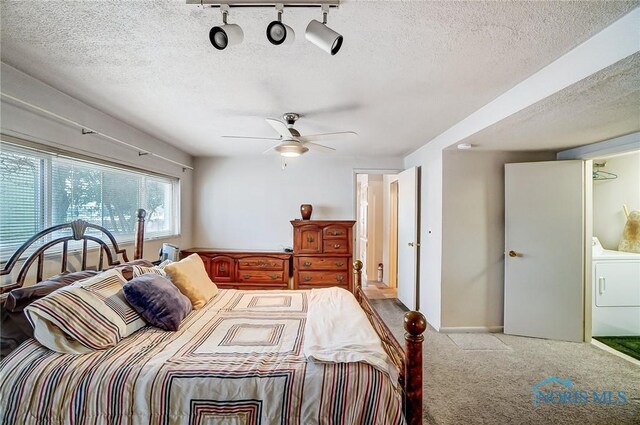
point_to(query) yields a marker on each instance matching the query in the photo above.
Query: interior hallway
(376, 290)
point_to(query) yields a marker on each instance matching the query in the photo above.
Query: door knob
(513, 254)
(410, 244)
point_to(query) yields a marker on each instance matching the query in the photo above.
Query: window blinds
(39, 190)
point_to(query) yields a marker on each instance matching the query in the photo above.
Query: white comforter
(338, 331)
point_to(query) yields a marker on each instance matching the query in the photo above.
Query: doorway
(614, 295)
(376, 232)
(393, 234)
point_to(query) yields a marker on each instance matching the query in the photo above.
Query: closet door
(545, 250)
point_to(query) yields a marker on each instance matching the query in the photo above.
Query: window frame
(44, 201)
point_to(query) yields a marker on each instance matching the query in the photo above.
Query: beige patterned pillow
(89, 315)
(159, 269)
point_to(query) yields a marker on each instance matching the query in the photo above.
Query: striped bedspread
(239, 360)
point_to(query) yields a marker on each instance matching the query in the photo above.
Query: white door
(544, 250)
(362, 225)
(408, 241)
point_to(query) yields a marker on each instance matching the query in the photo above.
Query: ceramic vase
(306, 210)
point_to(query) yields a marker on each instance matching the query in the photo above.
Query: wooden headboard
(48, 238)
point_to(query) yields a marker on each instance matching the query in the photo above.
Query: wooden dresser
(322, 254)
(245, 269)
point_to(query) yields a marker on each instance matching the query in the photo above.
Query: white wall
(473, 242)
(22, 122)
(429, 158)
(610, 195)
(609, 46)
(247, 203)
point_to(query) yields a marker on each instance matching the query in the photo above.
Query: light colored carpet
(475, 341)
(463, 386)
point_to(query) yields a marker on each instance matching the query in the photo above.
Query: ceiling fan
(292, 143)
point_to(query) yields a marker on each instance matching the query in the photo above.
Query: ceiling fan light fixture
(291, 149)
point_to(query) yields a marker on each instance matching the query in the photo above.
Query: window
(39, 190)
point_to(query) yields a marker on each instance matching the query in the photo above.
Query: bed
(246, 357)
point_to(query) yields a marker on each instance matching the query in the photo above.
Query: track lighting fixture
(227, 34)
(279, 33)
(322, 36)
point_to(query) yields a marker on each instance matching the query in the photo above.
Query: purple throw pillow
(157, 300)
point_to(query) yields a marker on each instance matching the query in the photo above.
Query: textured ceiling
(407, 70)
(602, 106)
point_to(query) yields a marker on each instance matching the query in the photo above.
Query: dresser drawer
(260, 276)
(221, 269)
(308, 240)
(335, 232)
(336, 246)
(260, 263)
(322, 263)
(323, 278)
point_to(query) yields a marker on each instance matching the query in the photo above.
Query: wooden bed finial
(414, 324)
(139, 244)
(357, 281)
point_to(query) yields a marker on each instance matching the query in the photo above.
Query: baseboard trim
(470, 329)
(434, 327)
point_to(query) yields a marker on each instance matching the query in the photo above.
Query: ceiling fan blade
(317, 147)
(327, 136)
(250, 137)
(271, 148)
(280, 127)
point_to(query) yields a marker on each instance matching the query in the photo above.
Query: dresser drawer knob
(335, 233)
(309, 238)
(274, 276)
(339, 278)
(306, 278)
(307, 264)
(246, 276)
(336, 245)
(223, 269)
(339, 264)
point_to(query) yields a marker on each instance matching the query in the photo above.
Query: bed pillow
(12, 333)
(15, 327)
(191, 278)
(19, 298)
(126, 269)
(157, 300)
(139, 270)
(88, 315)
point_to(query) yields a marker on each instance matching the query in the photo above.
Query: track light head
(279, 33)
(225, 35)
(322, 36)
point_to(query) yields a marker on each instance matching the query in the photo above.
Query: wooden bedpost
(139, 243)
(414, 325)
(357, 279)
